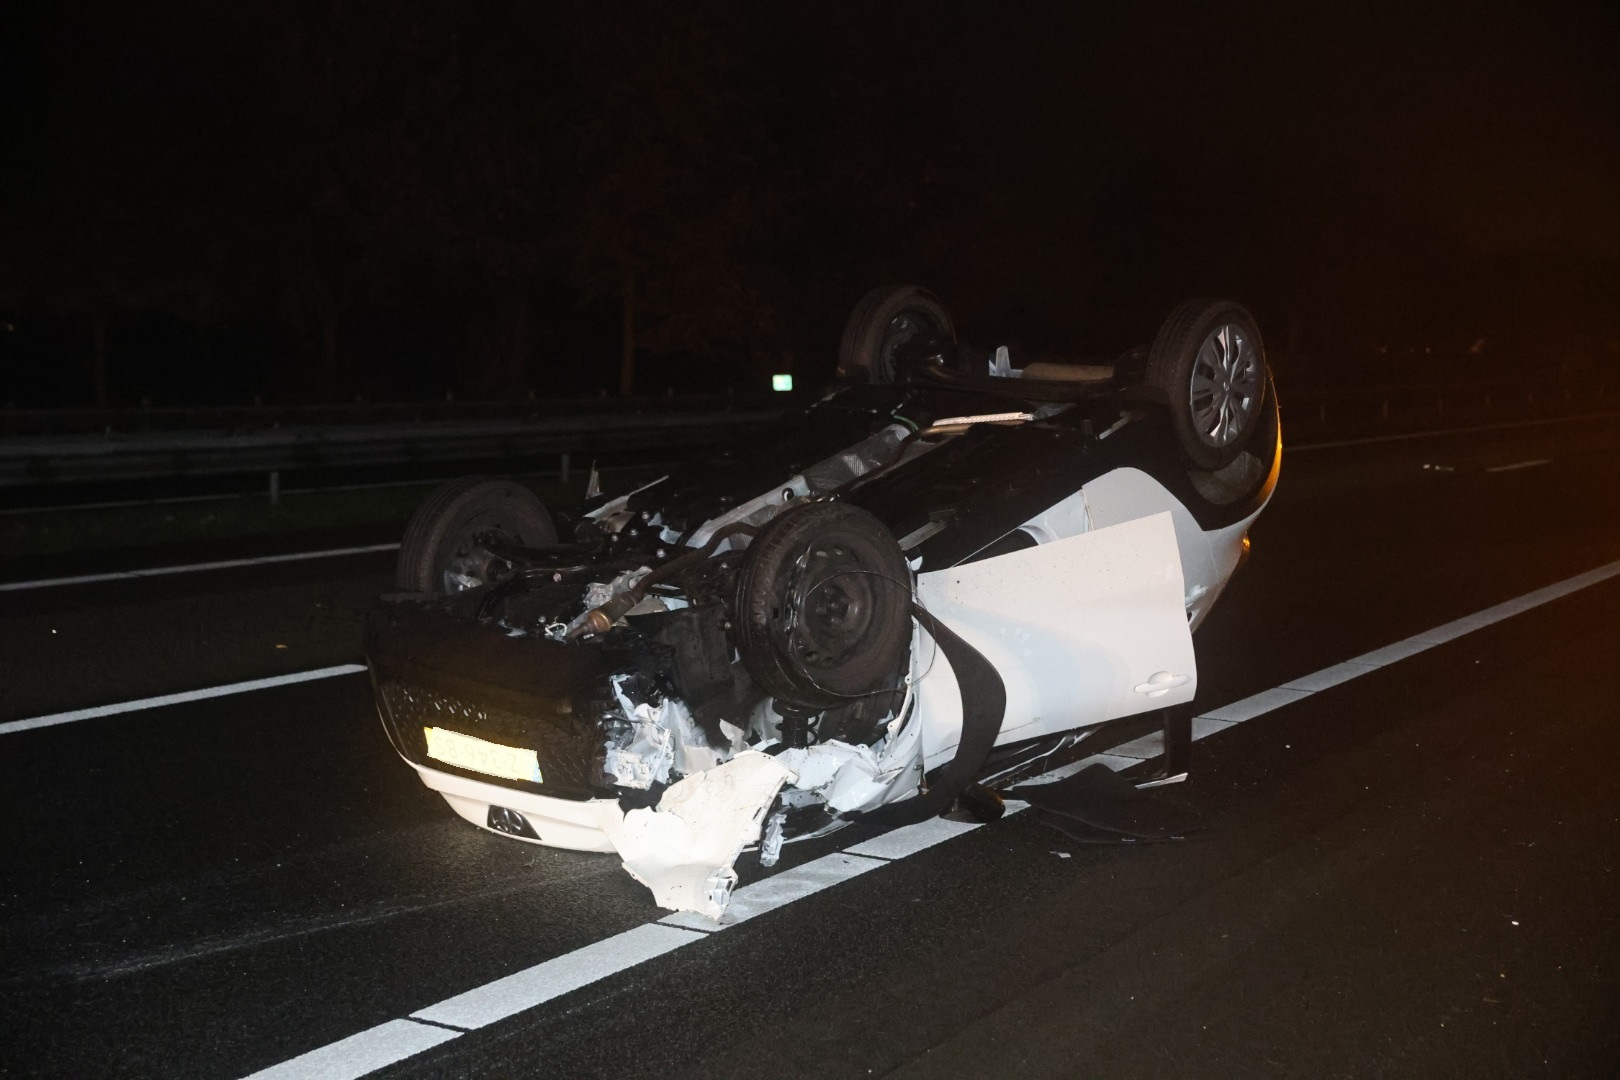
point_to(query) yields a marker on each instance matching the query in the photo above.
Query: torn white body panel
(684, 850)
(1082, 630)
(849, 778)
(663, 737)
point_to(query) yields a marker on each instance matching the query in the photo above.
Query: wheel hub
(1225, 386)
(829, 608)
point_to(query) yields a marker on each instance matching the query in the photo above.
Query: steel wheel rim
(1224, 386)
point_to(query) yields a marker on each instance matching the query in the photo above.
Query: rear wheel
(886, 320)
(1209, 363)
(441, 552)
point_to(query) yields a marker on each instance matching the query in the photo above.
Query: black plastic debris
(1098, 806)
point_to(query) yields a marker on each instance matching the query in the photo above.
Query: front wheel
(1209, 364)
(442, 552)
(824, 606)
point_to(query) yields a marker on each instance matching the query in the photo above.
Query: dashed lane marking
(545, 981)
(14, 726)
(190, 568)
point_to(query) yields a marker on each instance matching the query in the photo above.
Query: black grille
(570, 749)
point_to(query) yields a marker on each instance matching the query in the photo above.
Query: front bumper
(578, 824)
(434, 667)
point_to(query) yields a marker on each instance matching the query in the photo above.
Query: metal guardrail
(47, 460)
(157, 444)
(235, 418)
(1431, 403)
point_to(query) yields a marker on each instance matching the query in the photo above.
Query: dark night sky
(318, 199)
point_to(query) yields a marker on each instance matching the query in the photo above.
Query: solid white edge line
(910, 839)
(223, 564)
(1329, 677)
(505, 997)
(370, 1050)
(779, 890)
(1306, 685)
(484, 1005)
(1519, 465)
(181, 698)
(1254, 705)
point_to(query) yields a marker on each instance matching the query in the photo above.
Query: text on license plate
(491, 759)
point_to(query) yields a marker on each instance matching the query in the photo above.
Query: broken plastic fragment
(684, 849)
(770, 845)
(662, 737)
(853, 778)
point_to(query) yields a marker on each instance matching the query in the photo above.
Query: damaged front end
(748, 675)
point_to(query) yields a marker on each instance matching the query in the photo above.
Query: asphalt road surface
(1410, 873)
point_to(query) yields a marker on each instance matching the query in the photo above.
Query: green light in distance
(781, 382)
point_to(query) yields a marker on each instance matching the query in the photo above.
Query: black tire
(439, 553)
(885, 319)
(1209, 364)
(823, 606)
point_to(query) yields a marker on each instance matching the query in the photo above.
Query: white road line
(1256, 705)
(910, 839)
(1152, 745)
(537, 985)
(223, 564)
(779, 890)
(13, 726)
(372, 1049)
(560, 975)
(1328, 677)
(1520, 465)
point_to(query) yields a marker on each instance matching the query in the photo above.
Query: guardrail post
(562, 470)
(275, 487)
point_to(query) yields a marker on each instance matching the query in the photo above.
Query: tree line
(316, 199)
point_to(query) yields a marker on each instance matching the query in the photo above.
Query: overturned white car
(915, 591)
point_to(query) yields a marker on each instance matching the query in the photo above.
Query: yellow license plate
(491, 759)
